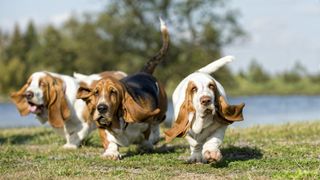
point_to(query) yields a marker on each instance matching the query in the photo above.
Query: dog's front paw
(212, 156)
(70, 146)
(112, 155)
(195, 158)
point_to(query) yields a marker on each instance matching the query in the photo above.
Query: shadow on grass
(164, 149)
(91, 141)
(233, 153)
(22, 138)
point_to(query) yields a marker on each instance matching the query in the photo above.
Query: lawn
(260, 152)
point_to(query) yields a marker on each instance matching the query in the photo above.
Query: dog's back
(142, 86)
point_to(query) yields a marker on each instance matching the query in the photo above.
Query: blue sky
(281, 32)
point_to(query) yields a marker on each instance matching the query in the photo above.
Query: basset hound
(202, 113)
(52, 98)
(129, 111)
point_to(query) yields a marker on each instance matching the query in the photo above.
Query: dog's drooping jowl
(52, 98)
(129, 111)
(202, 113)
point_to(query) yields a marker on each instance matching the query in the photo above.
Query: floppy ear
(228, 112)
(20, 101)
(186, 114)
(58, 109)
(133, 112)
(84, 92)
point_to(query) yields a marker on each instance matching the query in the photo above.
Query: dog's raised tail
(150, 66)
(217, 64)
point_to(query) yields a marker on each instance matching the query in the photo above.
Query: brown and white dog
(202, 113)
(129, 111)
(52, 98)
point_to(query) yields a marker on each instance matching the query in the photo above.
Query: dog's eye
(113, 92)
(42, 84)
(96, 92)
(194, 89)
(211, 86)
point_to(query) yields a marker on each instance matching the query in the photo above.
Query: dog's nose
(205, 100)
(102, 108)
(29, 95)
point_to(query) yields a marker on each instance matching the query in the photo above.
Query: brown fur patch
(228, 113)
(103, 137)
(182, 124)
(56, 102)
(20, 101)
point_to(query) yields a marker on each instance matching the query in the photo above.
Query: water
(10, 117)
(259, 110)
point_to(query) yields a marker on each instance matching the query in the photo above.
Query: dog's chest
(208, 129)
(133, 134)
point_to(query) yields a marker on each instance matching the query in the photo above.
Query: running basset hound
(129, 111)
(52, 98)
(202, 113)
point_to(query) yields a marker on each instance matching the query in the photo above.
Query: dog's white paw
(212, 155)
(113, 155)
(70, 146)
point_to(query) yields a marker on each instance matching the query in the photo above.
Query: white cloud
(281, 33)
(59, 19)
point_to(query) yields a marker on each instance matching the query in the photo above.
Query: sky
(280, 32)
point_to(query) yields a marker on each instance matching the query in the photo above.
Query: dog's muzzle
(103, 122)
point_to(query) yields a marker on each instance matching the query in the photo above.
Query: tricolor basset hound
(202, 113)
(52, 98)
(129, 111)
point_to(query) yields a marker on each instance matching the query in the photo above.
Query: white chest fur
(132, 134)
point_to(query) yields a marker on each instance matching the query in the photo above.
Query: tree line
(125, 35)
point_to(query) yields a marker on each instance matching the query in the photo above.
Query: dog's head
(206, 97)
(103, 100)
(43, 95)
(108, 100)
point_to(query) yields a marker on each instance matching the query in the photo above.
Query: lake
(259, 110)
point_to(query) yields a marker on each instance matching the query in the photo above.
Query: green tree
(16, 45)
(126, 34)
(315, 78)
(30, 37)
(198, 34)
(294, 75)
(90, 49)
(256, 73)
(54, 48)
(14, 75)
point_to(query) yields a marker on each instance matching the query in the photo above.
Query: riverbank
(260, 152)
(275, 86)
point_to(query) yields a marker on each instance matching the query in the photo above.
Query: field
(288, 151)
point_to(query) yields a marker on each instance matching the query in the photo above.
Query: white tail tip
(229, 58)
(162, 24)
(215, 65)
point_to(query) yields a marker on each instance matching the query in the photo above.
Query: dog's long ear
(84, 92)
(228, 112)
(133, 112)
(20, 101)
(185, 116)
(58, 109)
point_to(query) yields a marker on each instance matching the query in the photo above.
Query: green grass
(261, 152)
